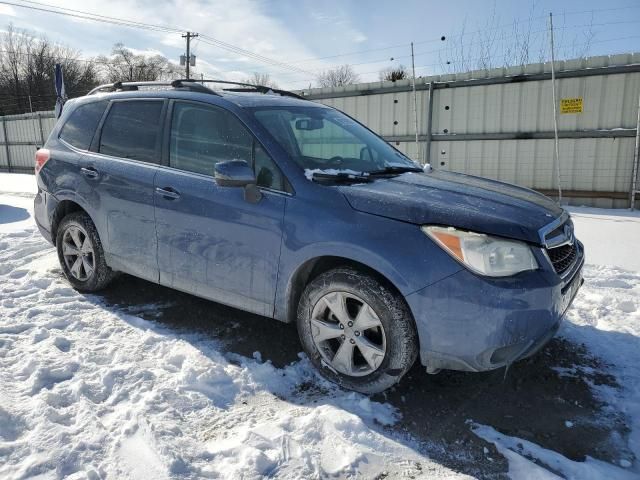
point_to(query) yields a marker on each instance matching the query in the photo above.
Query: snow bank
(18, 183)
(612, 236)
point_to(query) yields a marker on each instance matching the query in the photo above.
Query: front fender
(398, 251)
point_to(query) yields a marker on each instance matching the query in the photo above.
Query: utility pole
(188, 36)
(555, 109)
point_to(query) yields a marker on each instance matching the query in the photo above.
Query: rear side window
(132, 130)
(202, 135)
(82, 123)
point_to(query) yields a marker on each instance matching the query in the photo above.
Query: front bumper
(472, 323)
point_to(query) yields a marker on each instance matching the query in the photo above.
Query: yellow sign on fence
(571, 105)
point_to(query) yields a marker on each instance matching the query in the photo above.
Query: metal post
(41, 130)
(415, 101)
(636, 160)
(6, 144)
(427, 146)
(555, 110)
(34, 125)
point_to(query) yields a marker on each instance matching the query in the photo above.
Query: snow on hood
(308, 172)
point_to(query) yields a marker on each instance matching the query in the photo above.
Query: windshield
(323, 139)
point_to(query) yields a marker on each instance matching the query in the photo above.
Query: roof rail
(250, 87)
(190, 85)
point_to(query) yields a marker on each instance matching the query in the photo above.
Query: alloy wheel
(78, 253)
(348, 334)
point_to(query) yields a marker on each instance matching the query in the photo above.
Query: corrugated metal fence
(495, 123)
(499, 123)
(20, 136)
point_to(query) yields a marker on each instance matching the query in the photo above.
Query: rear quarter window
(82, 123)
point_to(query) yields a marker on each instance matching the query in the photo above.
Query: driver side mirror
(238, 173)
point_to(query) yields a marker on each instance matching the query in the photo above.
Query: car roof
(240, 99)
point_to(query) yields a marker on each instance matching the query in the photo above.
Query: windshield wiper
(340, 177)
(395, 170)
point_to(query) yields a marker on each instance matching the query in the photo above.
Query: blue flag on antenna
(61, 94)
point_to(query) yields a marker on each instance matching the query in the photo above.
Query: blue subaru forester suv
(259, 199)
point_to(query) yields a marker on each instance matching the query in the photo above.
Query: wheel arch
(313, 267)
(64, 208)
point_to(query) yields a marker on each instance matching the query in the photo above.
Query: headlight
(484, 254)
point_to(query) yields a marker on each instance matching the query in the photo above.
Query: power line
(93, 16)
(449, 48)
(276, 63)
(454, 62)
(448, 37)
(39, 6)
(45, 7)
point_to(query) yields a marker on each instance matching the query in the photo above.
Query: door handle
(168, 193)
(89, 172)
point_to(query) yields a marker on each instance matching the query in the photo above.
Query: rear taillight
(42, 155)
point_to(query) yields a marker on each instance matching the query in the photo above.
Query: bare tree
(27, 65)
(124, 64)
(339, 76)
(520, 43)
(392, 74)
(263, 79)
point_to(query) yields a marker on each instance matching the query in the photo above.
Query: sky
(314, 36)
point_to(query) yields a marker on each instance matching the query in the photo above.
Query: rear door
(211, 241)
(63, 177)
(121, 167)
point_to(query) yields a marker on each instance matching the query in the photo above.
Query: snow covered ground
(93, 391)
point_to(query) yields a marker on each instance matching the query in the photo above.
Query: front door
(211, 241)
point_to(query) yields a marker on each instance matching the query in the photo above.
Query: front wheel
(81, 255)
(356, 331)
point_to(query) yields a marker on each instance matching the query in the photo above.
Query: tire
(92, 273)
(395, 335)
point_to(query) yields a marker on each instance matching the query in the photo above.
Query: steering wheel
(336, 161)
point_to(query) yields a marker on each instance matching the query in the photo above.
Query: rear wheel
(356, 331)
(80, 253)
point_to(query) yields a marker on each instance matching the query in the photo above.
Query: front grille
(562, 257)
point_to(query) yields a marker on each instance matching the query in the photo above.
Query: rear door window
(132, 130)
(82, 123)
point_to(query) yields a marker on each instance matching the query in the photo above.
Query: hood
(457, 200)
